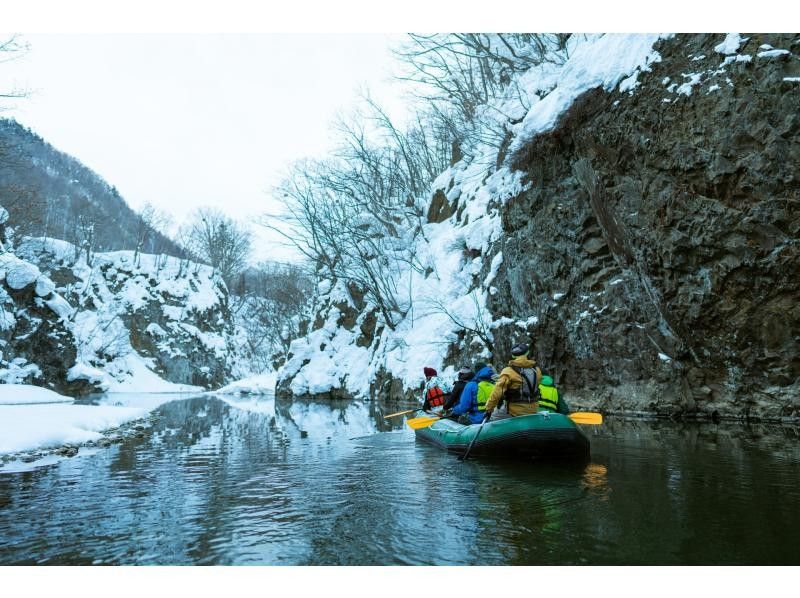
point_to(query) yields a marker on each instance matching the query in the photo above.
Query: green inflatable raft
(537, 436)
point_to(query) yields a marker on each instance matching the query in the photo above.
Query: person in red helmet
(436, 390)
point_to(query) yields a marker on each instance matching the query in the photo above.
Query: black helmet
(465, 373)
(520, 349)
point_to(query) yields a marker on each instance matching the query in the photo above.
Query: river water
(249, 481)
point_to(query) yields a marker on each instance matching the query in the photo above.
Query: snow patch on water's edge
(39, 427)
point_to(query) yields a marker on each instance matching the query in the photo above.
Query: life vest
(549, 398)
(528, 391)
(435, 396)
(485, 389)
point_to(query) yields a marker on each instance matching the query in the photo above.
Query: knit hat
(479, 365)
(429, 372)
(547, 380)
(465, 373)
(519, 350)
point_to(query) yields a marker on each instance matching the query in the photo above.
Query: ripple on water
(317, 484)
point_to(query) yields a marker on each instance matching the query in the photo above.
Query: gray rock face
(35, 344)
(659, 243)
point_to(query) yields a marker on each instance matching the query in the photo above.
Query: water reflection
(249, 480)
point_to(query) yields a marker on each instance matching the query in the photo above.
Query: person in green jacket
(550, 400)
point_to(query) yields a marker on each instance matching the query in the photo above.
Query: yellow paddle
(587, 418)
(399, 413)
(421, 422)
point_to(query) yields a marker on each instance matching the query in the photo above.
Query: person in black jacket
(465, 374)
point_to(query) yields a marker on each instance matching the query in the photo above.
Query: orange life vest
(435, 397)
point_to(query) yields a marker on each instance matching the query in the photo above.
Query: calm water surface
(246, 481)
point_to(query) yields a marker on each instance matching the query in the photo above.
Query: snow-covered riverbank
(39, 426)
(35, 418)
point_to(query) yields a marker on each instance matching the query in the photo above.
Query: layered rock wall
(658, 244)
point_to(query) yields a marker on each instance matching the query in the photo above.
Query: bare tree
(355, 215)
(272, 309)
(218, 241)
(12, 48)
(459, 74)
(478, 322)
(84, 229)
(27, 209)
(151, 221)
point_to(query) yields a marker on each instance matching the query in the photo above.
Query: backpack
(528, 392)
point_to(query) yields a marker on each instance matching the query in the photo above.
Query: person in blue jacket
(468, 405)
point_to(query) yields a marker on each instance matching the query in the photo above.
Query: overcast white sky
(186, 120)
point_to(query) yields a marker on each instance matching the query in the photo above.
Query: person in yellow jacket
(517, 385)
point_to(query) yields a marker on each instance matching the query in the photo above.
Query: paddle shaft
(399, 413)
(478, 433)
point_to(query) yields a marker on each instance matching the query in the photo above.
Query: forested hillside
(51, 194)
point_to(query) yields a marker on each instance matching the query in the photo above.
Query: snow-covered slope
(124, 322)
(458, 259)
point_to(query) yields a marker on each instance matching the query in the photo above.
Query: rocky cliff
(658, 242)
(645, 236)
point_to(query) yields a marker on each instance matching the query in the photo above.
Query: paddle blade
(422, 422)
(586, 418)
(399, 413)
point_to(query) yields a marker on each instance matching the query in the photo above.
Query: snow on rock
(630, 84)
(18, 273)
(525, 324)
(738, 58)
(772, 53)
(260, 384)
(33, 343)
(44, 286)
(730, 45)
(595, 61)
(497, 260)
(686, 87)
(327, 350)
(18, 370)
